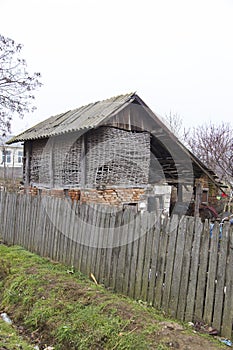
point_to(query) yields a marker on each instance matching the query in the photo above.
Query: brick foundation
(116, 197)
(113, 196)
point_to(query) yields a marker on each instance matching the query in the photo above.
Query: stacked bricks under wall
(112, 196)
(107, 196)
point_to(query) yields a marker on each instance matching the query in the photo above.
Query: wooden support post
(180, 192)
(83, 161)
(198, 198)
(51, 164)
(27, 160)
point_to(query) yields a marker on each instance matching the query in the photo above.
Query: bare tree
(16, 84)
(213, 144)
(175, 123)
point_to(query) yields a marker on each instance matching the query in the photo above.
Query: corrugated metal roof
(85, 117)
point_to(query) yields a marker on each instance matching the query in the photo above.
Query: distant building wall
(11, 161)
(11, 173)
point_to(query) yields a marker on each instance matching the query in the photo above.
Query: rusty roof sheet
(85, 117)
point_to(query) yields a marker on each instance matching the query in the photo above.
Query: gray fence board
(190, 302)
(211, 276)
(176, 276)
(185, 270)
(228, 304)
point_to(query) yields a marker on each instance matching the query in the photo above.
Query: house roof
(82, 118)
(4, 142)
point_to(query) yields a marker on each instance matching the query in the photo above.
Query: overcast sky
(176, 54)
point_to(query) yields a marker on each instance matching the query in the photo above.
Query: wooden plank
(5, 219)
(76, 234)
(53, 228)
(72, 233)
(11, 217)
(211, 277)
(190, 301)
(133, 257)
(221, 274)
(122, 232)
(93, 238)
(160, 243)
(16, 220)
(177, 271)
(56, 243)
(97, 232)
(67, 230)
(227, 318)
(80, 231)
(62, 230)
(27, 222)
(116, 250)
(27, 151)
(43, 221)
(83, 160)
(202, 272)
(173, 228)
(129, 246)
(21, 220)
(198, 198)
(86, 241)
(109, 249)
(38, 225)
(46, 226)
(32, 224)
(50, 147)
(146, 274)
(185, 269)
(107, 246)
(141, 254)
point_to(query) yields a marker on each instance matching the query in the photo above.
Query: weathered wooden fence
(172, 263)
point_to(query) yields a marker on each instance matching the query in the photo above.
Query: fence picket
(146, 274)
(170, 261)
(122, 232)
(185, 270)
(211, 276)
(227, 319)
(190, 302)
(220, 278)
(157, 272)
(202, 272)
(176, 276)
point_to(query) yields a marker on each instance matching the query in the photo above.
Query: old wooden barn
(116, 152)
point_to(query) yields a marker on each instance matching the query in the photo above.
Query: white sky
(177, 54)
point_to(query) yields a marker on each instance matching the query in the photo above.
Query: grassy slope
(52, 307)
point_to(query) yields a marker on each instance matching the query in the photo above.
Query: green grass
(10, 339)
(68, 311)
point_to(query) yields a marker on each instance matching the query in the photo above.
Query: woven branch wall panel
(113, 157)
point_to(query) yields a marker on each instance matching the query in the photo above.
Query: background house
(11, 160)
(117, 152)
